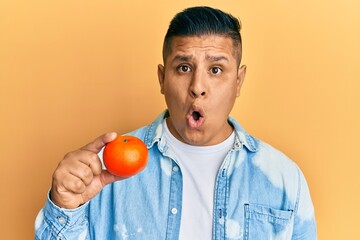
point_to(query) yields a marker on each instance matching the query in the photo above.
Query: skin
(201, 74)
(79, 176)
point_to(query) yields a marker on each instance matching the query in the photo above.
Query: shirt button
(174, 211)
(61, 220)
(175, 169)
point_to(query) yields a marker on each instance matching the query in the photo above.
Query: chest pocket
(262, 222)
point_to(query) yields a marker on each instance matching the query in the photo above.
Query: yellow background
(72, 70)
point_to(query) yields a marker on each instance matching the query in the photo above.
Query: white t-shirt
(199, 167)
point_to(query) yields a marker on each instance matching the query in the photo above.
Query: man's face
(200, 81)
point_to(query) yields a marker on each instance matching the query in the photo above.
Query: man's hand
(79, 176)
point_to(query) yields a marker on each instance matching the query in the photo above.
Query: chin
(194, 139)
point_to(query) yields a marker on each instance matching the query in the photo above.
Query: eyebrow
(217, 58)
(183, 57)
(210, 58)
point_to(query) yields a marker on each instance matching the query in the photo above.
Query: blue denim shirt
(259, 194)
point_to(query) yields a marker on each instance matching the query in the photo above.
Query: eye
(184, 68)
(215, 70)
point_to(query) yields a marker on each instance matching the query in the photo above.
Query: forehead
(204, 45)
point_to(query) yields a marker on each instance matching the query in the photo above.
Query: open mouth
(195, 118)
(196, 115)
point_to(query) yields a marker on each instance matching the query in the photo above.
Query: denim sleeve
(304, 222)
(53, 222)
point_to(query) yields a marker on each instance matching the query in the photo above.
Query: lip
(195, 117)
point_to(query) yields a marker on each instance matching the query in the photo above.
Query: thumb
(107, 178)
(96, 145)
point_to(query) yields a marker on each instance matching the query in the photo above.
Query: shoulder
(274, 164)
(268, 163)
(267, 156)
(151, 133)
(262, 154)
(140, 132)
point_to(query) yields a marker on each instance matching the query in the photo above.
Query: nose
(198, 85)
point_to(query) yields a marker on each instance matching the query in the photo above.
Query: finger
(100, 142)
(107, 178)
(83, 172)
(83, 156)
(73, 184)
(91, 160)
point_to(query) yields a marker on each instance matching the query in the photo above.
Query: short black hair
(198, 21)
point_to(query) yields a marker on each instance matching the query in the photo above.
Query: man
(206, 177)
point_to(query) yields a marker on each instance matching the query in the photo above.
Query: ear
(161, 77)
(240, 79)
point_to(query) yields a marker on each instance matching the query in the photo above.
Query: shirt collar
(155, 132)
